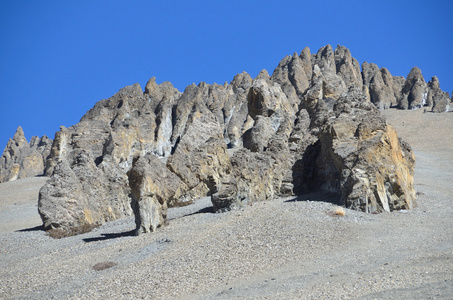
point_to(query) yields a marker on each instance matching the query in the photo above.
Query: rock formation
(21, 159)
(153, 186)
(81, 193)
(359, 158)
(436, 98)
(313, 125)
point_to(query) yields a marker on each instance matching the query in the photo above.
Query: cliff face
(314, 124)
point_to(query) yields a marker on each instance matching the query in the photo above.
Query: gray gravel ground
(281, 249)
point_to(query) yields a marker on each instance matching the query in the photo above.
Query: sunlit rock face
(21, 159)
(312, 125)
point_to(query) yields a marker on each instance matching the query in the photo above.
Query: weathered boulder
(153, 187)
(257, 138)
(380, 85)
(224, 193)
(436, 98)
(251, 180)
(415, 89)
(80, 193)
(360, 159)
(21, 159)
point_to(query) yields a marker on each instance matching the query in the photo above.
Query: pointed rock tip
(19, 136)
(415, 72)
(305, 53)
(342, 48)
(202, 84)
(150, 85)
(240, 76)
(263, 74)
(19, 132)
(135, 88)
(326, 48)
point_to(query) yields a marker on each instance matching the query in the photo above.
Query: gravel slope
(281, 249)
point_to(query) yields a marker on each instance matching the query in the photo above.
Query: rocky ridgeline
(313, 125)
(21, 159)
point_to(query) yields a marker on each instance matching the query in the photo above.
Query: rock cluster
(314, 124)
(21, 159)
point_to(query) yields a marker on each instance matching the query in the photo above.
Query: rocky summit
(313, 125)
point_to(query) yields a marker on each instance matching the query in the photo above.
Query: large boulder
(82, 194)
(360, 159)
(415, 89)
(153, 187)
(439, 100)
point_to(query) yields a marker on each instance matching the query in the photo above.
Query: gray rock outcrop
(313, 125)
(436, 98)
(21, 159)
(415, 89)
(359, 158)
(81, 193)
(153, 186)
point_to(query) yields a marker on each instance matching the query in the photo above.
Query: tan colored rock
(21, 159)
(294, 71)
(360, 158)
(200, 153)
(415, 88)
(307, 126)
(236, 110)
(81, 194)
(380, 85)
(398, 83)
(347, 67)
(257, 138)
(436, 98)
(153, 188)
(332, 85)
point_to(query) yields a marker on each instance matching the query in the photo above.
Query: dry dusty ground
(281, 249)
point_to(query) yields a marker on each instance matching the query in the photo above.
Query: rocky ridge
(21, 159)
(314, 124)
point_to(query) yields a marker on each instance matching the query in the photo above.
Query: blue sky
(58, 58)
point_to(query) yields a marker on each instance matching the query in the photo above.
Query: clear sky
(58, 58)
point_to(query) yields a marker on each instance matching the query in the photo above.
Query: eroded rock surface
(21, 159)
(153, 187)
(313, 124)
(360, 159)
(81, 193)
